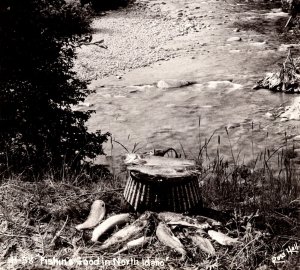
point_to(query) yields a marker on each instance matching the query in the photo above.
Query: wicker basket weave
(163, 184)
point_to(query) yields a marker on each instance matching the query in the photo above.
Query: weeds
(260, 200)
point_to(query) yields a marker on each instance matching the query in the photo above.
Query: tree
(38, 87)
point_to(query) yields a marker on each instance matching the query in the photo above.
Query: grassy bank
(257, 202)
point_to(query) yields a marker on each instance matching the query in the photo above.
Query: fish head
(100, 204)
(165, 216)
(146, 215)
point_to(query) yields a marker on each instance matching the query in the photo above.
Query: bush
(291, 6)
(38, 87)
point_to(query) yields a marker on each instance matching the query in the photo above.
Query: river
(238, 43)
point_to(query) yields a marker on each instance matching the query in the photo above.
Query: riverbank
(256, 206)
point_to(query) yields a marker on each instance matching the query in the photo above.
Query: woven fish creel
(158, 186)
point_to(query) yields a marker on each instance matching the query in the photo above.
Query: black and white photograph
(149, 134)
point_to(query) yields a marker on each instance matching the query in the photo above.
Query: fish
(134, 159)
(165, 235)
(210, 221)
(203, 243)
(172, 218)
(139, 242)
(96, 214)
(108, 224)
(127, 232)
(222, 238)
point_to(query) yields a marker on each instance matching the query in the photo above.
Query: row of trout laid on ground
(140, 231)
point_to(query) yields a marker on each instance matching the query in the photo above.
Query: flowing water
(135, 110)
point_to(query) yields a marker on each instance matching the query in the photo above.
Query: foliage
(38, 87)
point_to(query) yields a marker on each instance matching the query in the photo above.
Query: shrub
(38, 87)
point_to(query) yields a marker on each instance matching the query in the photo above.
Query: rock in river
(232, 39)
(172, 83)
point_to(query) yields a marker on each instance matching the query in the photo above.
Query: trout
(172, 218)
(166, 236)
(134, 244)
(108, 224)
(127, 232)
(203, 243)
(97, 213)
(222, 238)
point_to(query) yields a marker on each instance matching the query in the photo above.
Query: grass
(257, 202)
